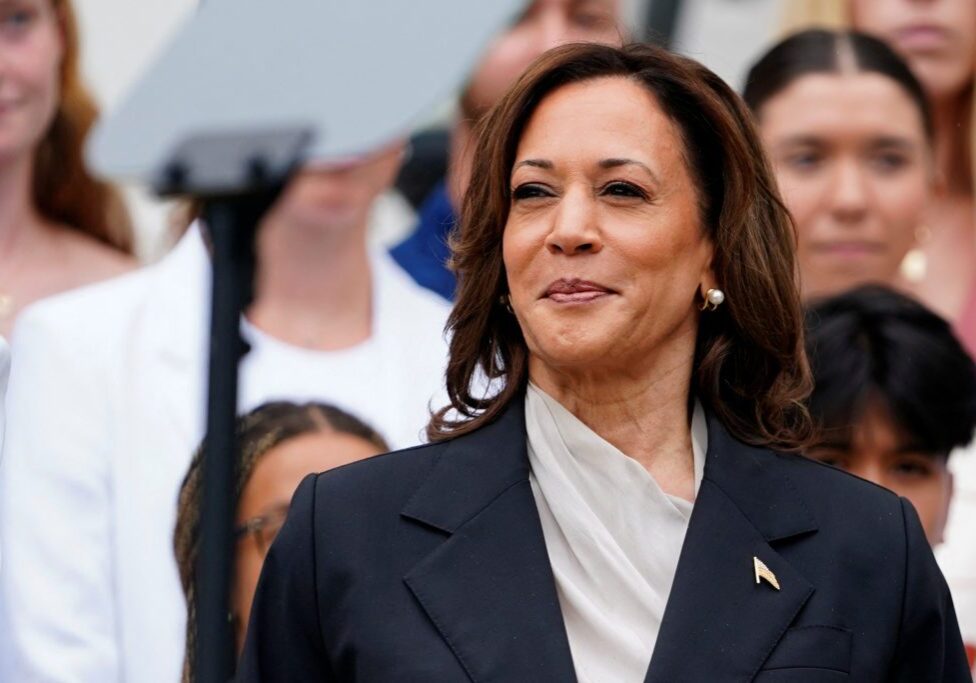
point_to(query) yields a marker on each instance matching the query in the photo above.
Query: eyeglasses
(264, 528)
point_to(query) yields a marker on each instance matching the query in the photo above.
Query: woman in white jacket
(106, 404)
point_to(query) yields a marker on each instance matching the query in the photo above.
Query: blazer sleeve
(56, 593)
(284, 635)
(929, 645)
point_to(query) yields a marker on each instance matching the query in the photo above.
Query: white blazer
(106, 406)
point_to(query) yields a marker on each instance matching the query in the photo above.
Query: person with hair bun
(278, 444)
(629, 503)
(60, 228)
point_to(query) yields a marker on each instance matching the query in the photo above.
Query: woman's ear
(707, 280)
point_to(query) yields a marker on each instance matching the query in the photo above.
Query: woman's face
(853, 164)
(936, 37)
(30, 60)
(544, 25)
(337, 198)
(268, 493)
(604, 246)
(876, 451)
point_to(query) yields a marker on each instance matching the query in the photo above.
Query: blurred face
(338, 198)
(603, 246)
(852, 161)
(266, 496)
(876, 451)
(30, 60)
(936, 37)
(544, 25)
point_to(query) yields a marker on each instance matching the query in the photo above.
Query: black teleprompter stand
(236, 178)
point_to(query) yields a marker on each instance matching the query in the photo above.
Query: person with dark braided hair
(280, 443)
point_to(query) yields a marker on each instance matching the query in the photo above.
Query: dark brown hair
(819, 51)
(64, 191)
(749, 368)
(258, 432)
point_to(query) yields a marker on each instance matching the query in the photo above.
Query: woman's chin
(578, 355)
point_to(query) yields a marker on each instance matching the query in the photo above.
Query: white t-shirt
(391, 381)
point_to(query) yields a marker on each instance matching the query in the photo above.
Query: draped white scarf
(613, 538)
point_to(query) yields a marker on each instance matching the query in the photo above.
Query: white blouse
(613, 538)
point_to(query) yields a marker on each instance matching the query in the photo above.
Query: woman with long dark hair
(628, 505)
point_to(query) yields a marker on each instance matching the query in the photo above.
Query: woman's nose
(850, 193)
(574, 228)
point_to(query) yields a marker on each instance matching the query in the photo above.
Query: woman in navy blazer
(627, 286)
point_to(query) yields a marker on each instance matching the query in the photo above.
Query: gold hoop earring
(712, 300)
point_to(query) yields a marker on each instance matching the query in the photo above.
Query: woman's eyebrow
(535, 163)
(617, 163)
(893, 142)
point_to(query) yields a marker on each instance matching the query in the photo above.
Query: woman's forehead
(598, 120)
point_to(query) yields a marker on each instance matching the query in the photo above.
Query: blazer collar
(489, 587)
(719, 617)
(768, 499)
(472, 471)
(476, 467)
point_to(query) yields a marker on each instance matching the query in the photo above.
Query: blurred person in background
(59, 227)
(279, 444)
(938, 40)
(107, 403)
(543, 25)
(847, 128)
(895, 394)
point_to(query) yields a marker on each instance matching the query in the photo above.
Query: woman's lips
(922, 38)
(574, 290)
(853, 250)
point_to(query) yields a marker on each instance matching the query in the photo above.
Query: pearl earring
(712, 300)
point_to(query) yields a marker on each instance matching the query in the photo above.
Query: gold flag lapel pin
(763, 572)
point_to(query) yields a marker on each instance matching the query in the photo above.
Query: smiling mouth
(575, 291)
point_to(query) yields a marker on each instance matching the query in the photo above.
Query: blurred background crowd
(867, 111)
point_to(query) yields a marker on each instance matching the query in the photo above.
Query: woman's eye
(889, 162)
(531, 191)
(913, 468)
(621, 189)
(804, 161)
(829, 456)
(16, 19)
(591, 20)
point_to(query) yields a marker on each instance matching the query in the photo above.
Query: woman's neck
(953, 143)
(643, 412)
(314, 287)
(20, 224)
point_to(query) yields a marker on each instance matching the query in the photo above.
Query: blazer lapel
(489, 588)
(718, 620)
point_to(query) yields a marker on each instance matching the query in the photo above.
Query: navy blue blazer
(429, 565)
